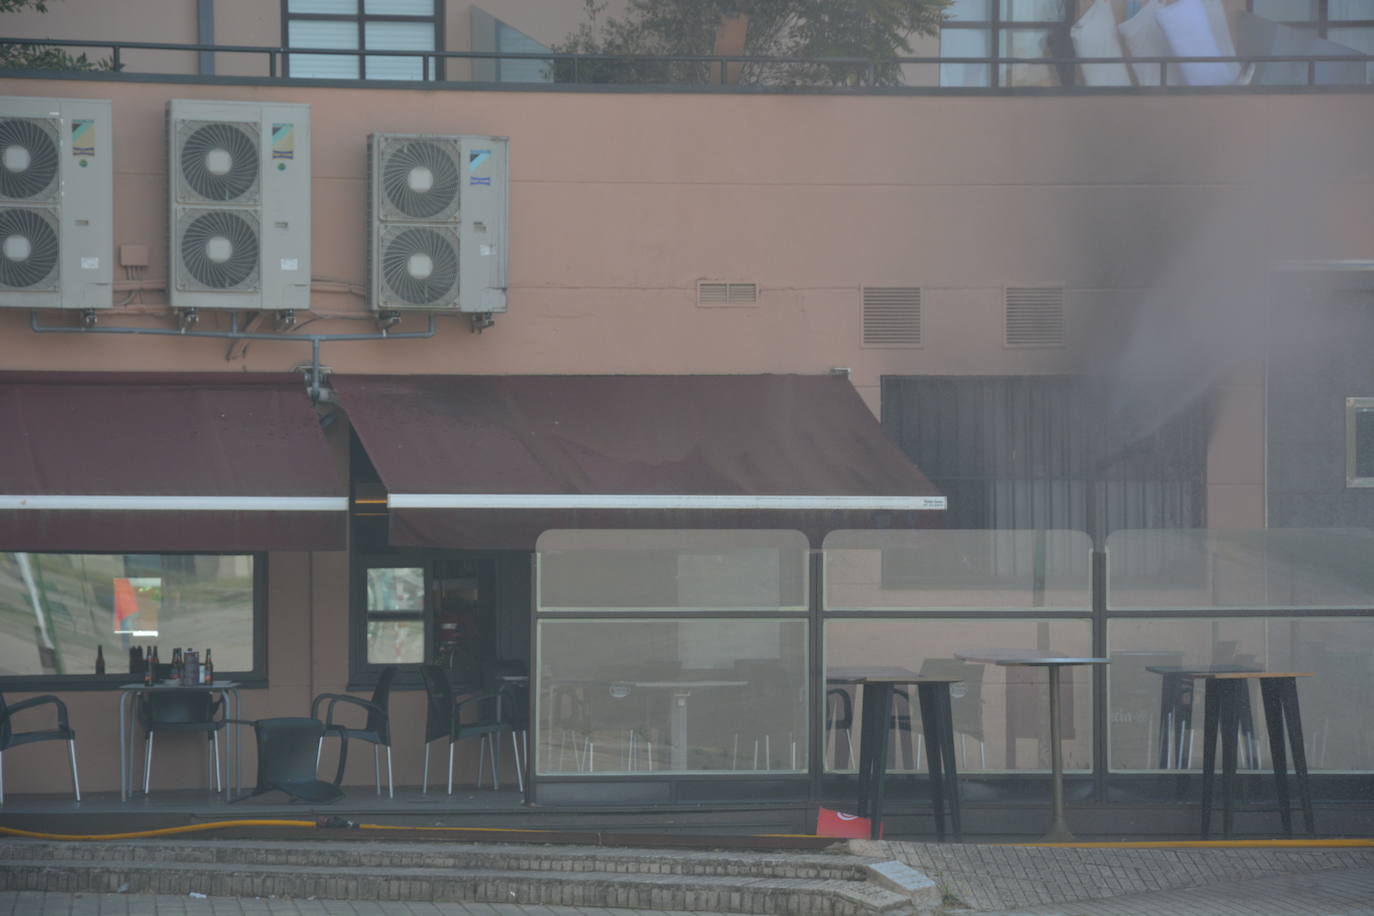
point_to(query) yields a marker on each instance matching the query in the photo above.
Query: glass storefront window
(659, 696)
(58, 610)
(1337, 651)
(1001, 714)
(957, 570)
(395, 615)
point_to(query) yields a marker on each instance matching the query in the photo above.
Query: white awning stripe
(178, 503)
(657, 501)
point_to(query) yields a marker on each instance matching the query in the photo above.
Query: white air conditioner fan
(419, 265)
(28, 159)
(420, 179)
(29, 249)
(219, 248)
(220, 161)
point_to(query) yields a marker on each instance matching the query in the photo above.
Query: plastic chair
(10, 738)
(174, 711)
(839, 717)
(444, 719)
(515, 716)
(377, 729)
(288, 754)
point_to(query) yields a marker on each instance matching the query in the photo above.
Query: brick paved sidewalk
(1046, 879)
(26, 903)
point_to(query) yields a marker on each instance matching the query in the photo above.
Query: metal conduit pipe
(315, 381)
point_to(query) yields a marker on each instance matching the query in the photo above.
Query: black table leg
(932, 728)
(1230, 739)
(1271, 695)
(1288, 693)
(877, 702)
(940, 700)
(1211, 700)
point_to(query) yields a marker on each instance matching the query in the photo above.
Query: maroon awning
(125, 462)
(493, 461)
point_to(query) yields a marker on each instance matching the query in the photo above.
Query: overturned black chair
(287, 758)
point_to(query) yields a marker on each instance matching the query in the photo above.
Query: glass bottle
(208, 667)
(99, 659)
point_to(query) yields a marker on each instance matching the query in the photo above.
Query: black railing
(739, 72)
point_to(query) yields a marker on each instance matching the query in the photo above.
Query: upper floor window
(1002, 28)
(491, 34)
(363, 25)
(1346, 22)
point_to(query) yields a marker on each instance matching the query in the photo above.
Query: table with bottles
(229, 696)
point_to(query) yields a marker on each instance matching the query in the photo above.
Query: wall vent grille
(1035, 316)
(892, 316)
(727, 293)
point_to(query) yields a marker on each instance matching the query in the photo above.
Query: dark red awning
(150, 463)
(493, 461)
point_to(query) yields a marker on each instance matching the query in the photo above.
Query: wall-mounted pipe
(315, 383)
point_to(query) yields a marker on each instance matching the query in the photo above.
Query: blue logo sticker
(477, 157)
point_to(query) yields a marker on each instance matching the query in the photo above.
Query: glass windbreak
(661, 696)
(1203, 569)
(1001, 714)
(672, 571)
(957, 570)
(59, 611)
(1156, 716)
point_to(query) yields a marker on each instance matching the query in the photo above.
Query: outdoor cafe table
(229, 693)
(1221, 718)
(938, 725)
(1034, 658)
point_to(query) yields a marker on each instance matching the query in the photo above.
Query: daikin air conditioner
(56, 203)
(437, 222)
(239, 186)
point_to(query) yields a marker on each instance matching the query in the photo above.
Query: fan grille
(219, 249)
(420, 178)
(420, 266)
(219, 160)
(28, 249)
(28, 159)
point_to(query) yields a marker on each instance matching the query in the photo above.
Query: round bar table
(1033, 658)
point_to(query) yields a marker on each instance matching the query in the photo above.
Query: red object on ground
(845, 826)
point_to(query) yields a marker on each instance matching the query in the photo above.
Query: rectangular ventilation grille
(892, 316)
(727, 293)
(1035, 316)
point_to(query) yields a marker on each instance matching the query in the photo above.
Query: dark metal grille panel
(1035, 316)
(892, 316)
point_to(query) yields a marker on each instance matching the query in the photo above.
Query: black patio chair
(288, 749)
(181, 711)
(444, 712)
(10, 738)
(375, 731)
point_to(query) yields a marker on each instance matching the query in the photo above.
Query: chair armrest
(46, 699)
(335, 698)
(343, 750)
(477, 698)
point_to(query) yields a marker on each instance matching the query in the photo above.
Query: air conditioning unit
(56, 203)
(437, 222)
(239, 186)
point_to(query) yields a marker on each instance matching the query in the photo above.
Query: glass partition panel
(1208, 569)
(957, 570)
(1001, 714)
(1155, 719)
(597, 570)
(58, 610)
(662, 696)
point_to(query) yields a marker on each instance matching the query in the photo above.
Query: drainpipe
(205, 34)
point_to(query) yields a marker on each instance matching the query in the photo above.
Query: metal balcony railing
(745, 73)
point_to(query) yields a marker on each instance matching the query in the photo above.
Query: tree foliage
(630, 48)
(42, 57)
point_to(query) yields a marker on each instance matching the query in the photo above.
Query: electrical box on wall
(437, 222)
(56, 203)
(239, 188)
